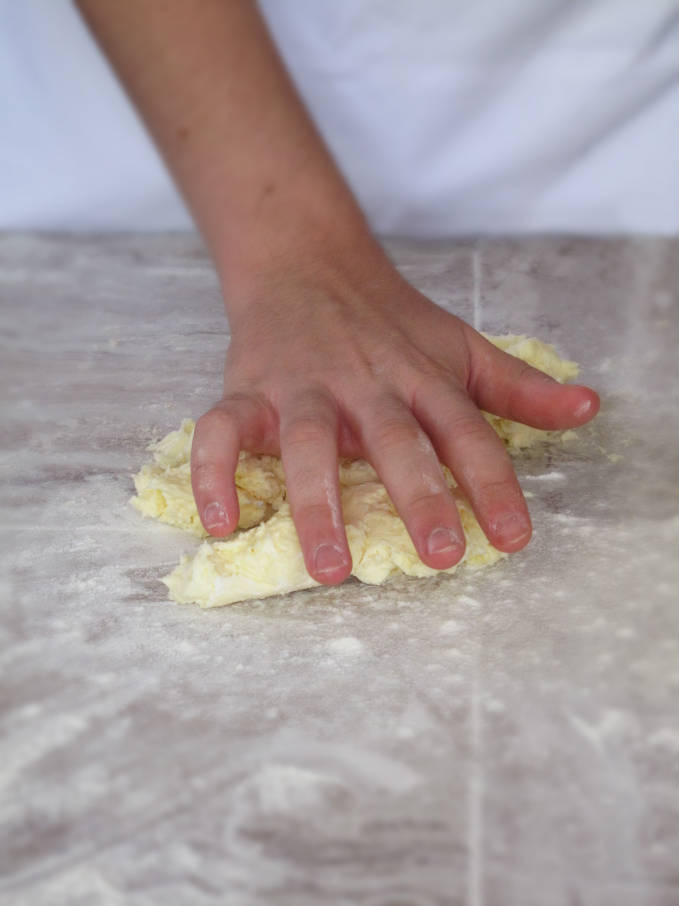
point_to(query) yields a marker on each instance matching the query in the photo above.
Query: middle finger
(404, 458)
(308, 435)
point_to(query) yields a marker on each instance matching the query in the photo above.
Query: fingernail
(511, 526)
(441, 541)
(214, 514)
(328, 557)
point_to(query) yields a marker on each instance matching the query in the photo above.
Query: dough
(164, 485)
(267, 560)
(265, 557)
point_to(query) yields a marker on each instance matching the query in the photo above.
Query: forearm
(226, 118)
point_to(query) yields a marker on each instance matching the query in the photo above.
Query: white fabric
(447, 116)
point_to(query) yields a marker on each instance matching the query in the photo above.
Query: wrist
(322, 245)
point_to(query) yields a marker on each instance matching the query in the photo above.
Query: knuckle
(209, 428)
(516, 388)
(427, 501)
(498, 487)
(204, 422)
(200, 446)
(397, 432)
(470, 427)
(313, 513)
(236, 415)
(218, 418)
(204, 476)
(490, 496)
(238, 403)
(201, 467)
(306, 430)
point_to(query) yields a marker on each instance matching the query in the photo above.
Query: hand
(331, 349)
(348, 358)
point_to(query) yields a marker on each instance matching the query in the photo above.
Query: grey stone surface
(505, 738)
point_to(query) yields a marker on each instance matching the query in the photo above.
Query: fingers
(403, 444)
(217, 440)
(406, 462)
(506, 386)
(478, 460)
(309, 433)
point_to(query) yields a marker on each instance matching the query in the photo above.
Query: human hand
(332, 351)
(353, 360)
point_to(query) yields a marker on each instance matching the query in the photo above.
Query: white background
(447, 117)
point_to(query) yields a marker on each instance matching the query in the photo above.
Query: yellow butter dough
(265, 558)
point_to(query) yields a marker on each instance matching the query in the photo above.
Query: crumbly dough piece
(266, 559)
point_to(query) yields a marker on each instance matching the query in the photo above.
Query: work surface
(498, 738)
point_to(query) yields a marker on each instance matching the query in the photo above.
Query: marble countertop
(498, 738)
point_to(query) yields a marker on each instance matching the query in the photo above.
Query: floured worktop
(508, 737)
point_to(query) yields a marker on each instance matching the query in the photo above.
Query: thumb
(504, 385)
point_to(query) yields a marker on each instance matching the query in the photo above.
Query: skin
(332, 351)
